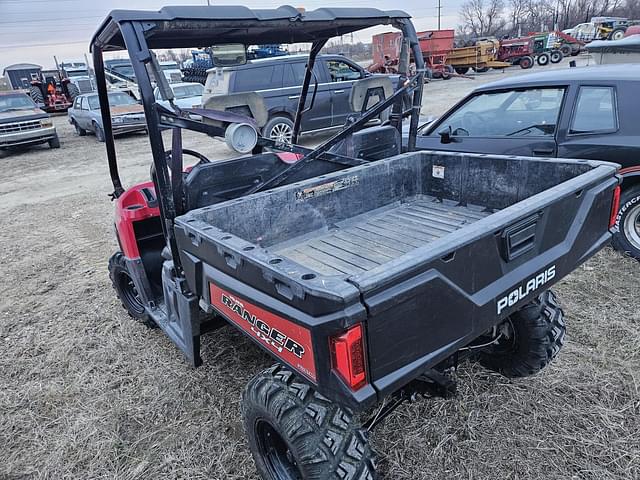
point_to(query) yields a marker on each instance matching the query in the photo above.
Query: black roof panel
(201, 26)
(594, 73)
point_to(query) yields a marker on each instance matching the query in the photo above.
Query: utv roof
(202, 26)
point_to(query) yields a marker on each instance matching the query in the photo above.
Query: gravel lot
(85, 392)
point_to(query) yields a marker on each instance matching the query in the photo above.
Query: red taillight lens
(347, 357)
(615, 206)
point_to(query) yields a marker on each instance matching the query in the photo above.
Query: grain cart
(365, 272)
(517, 51)
(480, 57)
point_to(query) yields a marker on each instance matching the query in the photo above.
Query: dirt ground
(87, 393)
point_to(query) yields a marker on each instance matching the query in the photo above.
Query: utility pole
(439, 7)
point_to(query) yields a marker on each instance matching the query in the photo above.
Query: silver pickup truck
(22, 123)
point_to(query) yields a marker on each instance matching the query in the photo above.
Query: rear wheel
(530, 339)
(279, 129)
(296, 433)
(126, 290)
(566, 50)
(462, 70)
(556, 56)
(526, 62)
(617, 34)
(36, 95)
(80, 131)
(627, 237)
(73, 90)
(543, 59)
(481, 69)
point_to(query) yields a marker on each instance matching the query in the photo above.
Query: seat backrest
(371, 90)
(247, 103)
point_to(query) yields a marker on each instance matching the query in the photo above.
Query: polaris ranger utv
(367, 273)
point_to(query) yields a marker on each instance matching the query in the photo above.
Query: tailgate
(422, 309)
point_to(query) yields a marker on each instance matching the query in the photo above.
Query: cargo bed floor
(364, 242)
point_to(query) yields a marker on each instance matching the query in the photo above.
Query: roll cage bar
(139, 32)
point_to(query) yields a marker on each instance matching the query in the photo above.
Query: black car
(588, 113)
(279, 81)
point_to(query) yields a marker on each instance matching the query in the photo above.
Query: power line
(30, 45)
(48, 20)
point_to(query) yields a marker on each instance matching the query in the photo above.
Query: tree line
(482, 18)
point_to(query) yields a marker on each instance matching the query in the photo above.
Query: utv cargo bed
(427, 250)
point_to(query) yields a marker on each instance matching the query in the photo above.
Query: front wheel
(279, 129)
(99, 132)
(54, 142)
(529, 339)
(296, 433)
(126, 290)
(627, 236)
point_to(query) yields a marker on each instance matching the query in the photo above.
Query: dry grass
(87, 393)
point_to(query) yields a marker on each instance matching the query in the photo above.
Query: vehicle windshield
(126, 70)
(15, 102)
(77, 73)
(186, 91)
(115, 100)
(524, 112)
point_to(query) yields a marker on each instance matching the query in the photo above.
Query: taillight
(347, 357)
(615, 206)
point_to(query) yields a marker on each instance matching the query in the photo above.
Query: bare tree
(483, 17)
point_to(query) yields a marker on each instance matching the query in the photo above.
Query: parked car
(22, 123)
(127, 115)
(187, 94)
(587, 113)
(279, 81)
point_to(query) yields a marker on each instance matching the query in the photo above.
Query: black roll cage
(179, 27)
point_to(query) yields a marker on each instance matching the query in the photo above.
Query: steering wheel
(191, 153)
(472, 122)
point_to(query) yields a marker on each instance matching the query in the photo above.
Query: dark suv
(279, 81)
(588, 113)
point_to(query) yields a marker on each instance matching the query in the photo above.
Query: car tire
(526, 62)
(617, 34)
(99, 132)
(294, 432)
(543, 59)
(556, 56)
(627, 224)
(279, 129)
(54, 142)
(80, 131)
(535, 335)
(122, 283)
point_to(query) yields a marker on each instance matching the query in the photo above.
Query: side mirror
(445, 135)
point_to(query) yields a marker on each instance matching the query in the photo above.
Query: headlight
(46, 122)
(116, 120)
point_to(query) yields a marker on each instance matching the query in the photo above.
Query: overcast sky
(32, 31)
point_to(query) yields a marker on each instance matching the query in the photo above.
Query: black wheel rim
(275, 452)
(130, 294)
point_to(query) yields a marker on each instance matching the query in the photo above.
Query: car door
(319, 116)
(518, 121)
(82, 115)
(594, 129)
(341, 75)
